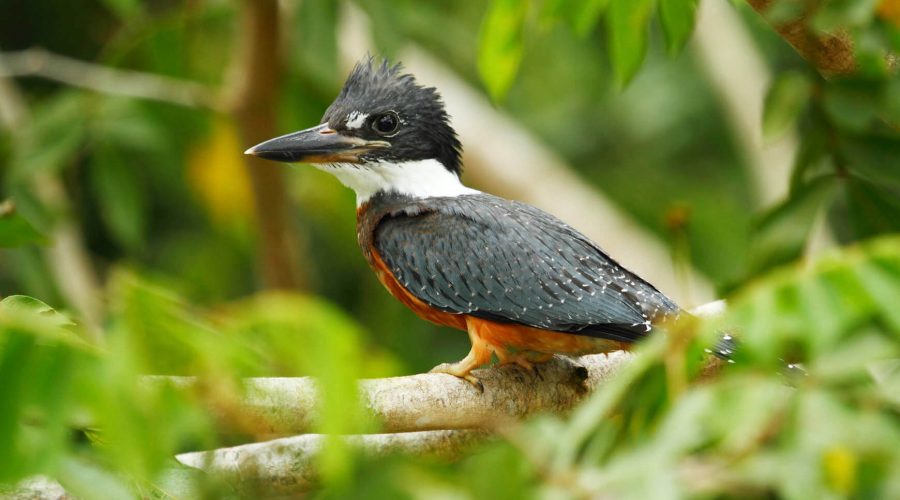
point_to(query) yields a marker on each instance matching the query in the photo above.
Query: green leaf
(125, 9)
(873, 209)
(54, 136)
(86, 480)
(781, 234)
(586, 14)
(501, 46)
(17, 352)
(836, 14)
(855, 292)
(877, 158)
(853, 105)
(580, 15)
(677, 18)
(15, 231)
(24, 303)
(627, 22)
(315, 42)
(787, 97)
(117, 188)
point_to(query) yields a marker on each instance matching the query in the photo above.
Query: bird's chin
(330, 158)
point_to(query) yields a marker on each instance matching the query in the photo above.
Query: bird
(522, 283)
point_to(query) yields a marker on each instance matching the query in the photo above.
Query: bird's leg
(479, 355)
(525, 359)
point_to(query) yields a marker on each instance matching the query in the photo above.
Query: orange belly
(512, 336)
(505, 336)
(422, 309)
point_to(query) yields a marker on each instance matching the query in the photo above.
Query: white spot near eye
(356, 120)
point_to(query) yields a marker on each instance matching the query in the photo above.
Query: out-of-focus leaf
(125, 123)
(315, 42)
(218, 175)
(810, 161)
(21, 312)
(585, 15)
(778, 13)
(24, 303)
(86, 480)
(780, 318)
(781, 233)
(853, 358)
(118, 189)
(836, 14)
(881, 279)
(15, 231)
(53, 138)
(786, 98)
(876, 158)
(580, 15)
(677, 18)
(125, 9)
(313, 336)
(501, 47)
(18, 351)
(852, 105)
(873, 209)
(627, 22)
(891, 108)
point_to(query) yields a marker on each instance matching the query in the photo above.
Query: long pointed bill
(315, 145)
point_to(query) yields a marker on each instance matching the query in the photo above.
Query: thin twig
(41, 63)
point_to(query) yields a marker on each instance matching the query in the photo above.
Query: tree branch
(428, 401)
(252, 94)
(287, 466)
(831, 54)
(41, 63)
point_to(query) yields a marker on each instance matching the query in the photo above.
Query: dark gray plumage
(506, 261)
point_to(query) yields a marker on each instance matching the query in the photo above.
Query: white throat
(419, 179)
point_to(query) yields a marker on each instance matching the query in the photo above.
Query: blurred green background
(138, 216)
(160, 188)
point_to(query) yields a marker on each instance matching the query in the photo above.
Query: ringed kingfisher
(521, 282)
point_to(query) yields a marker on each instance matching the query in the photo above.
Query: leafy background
(162, 209)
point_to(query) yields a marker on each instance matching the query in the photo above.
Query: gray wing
(506, 261)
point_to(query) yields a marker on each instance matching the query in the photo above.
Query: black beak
(319, 144)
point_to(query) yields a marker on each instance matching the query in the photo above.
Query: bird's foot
(525, 359)
(460, 370)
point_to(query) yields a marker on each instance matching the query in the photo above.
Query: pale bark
(433, 415)
(287, 466)
(428, 401)
(99, 78)
(35, 488)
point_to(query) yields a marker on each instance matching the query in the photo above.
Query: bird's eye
(386, 123)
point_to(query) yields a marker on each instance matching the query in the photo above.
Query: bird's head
(384, 132)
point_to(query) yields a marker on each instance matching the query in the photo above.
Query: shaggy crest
(377, 87)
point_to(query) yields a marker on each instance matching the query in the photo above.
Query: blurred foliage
(165, 211)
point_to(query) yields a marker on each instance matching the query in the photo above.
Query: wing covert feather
(507, 261)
